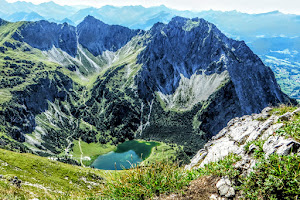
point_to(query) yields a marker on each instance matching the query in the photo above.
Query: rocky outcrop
(239, 132)
(247, 137)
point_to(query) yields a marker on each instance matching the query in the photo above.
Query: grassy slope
(45, 178)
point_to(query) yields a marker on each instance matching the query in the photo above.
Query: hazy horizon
(251, 7)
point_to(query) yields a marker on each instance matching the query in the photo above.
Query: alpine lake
(127, 155)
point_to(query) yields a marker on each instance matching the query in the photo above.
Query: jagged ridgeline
(179, 82)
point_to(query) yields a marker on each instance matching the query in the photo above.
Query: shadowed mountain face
(97, 36)
(92, 34)
(44, 35)
(178, 82)
(185, 47)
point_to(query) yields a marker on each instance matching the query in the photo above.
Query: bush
(275, 178)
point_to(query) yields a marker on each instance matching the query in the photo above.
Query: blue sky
(248, 6)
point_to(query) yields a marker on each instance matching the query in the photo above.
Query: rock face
(92, 34)
(240, 131)
(34, 100)
(183, 52)
(97, 36)
(44, 35)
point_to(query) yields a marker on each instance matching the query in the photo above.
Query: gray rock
(266, 111)
(225, 188)
(280, 145)
(271, 131)
(166, 62)
(219, 150)
(92, 34)
(195, 160)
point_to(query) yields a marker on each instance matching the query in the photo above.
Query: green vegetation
(90, 151)
(46, 179)
(163, 152)
(287, 77)
(147, 182)
(224, 167)
(277, 177)
(291, 128)
(282, 109)
(258, 153)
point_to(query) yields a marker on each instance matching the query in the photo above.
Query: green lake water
(127, 155)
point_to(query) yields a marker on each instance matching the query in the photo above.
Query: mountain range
(273, 36)
(179, 82)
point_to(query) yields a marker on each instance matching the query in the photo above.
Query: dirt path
(199, 189)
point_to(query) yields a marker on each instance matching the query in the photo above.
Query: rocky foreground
(240, 137)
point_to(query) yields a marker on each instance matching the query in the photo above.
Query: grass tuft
(147, 182)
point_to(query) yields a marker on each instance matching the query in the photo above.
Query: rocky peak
(186, 47)
(92, 34)
(97, 36)
(44, 35)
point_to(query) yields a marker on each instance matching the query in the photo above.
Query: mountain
(241, 26)
(23, 16)
(46, 10)
(65, 20)
(179, 82)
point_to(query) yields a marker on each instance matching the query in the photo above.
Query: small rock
(196, 159)
(213, 197)
(243, 164)
(253, 147)
(224, 187)
(15, 181)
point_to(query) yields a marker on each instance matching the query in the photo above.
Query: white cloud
(286, 52)
(248, 6)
